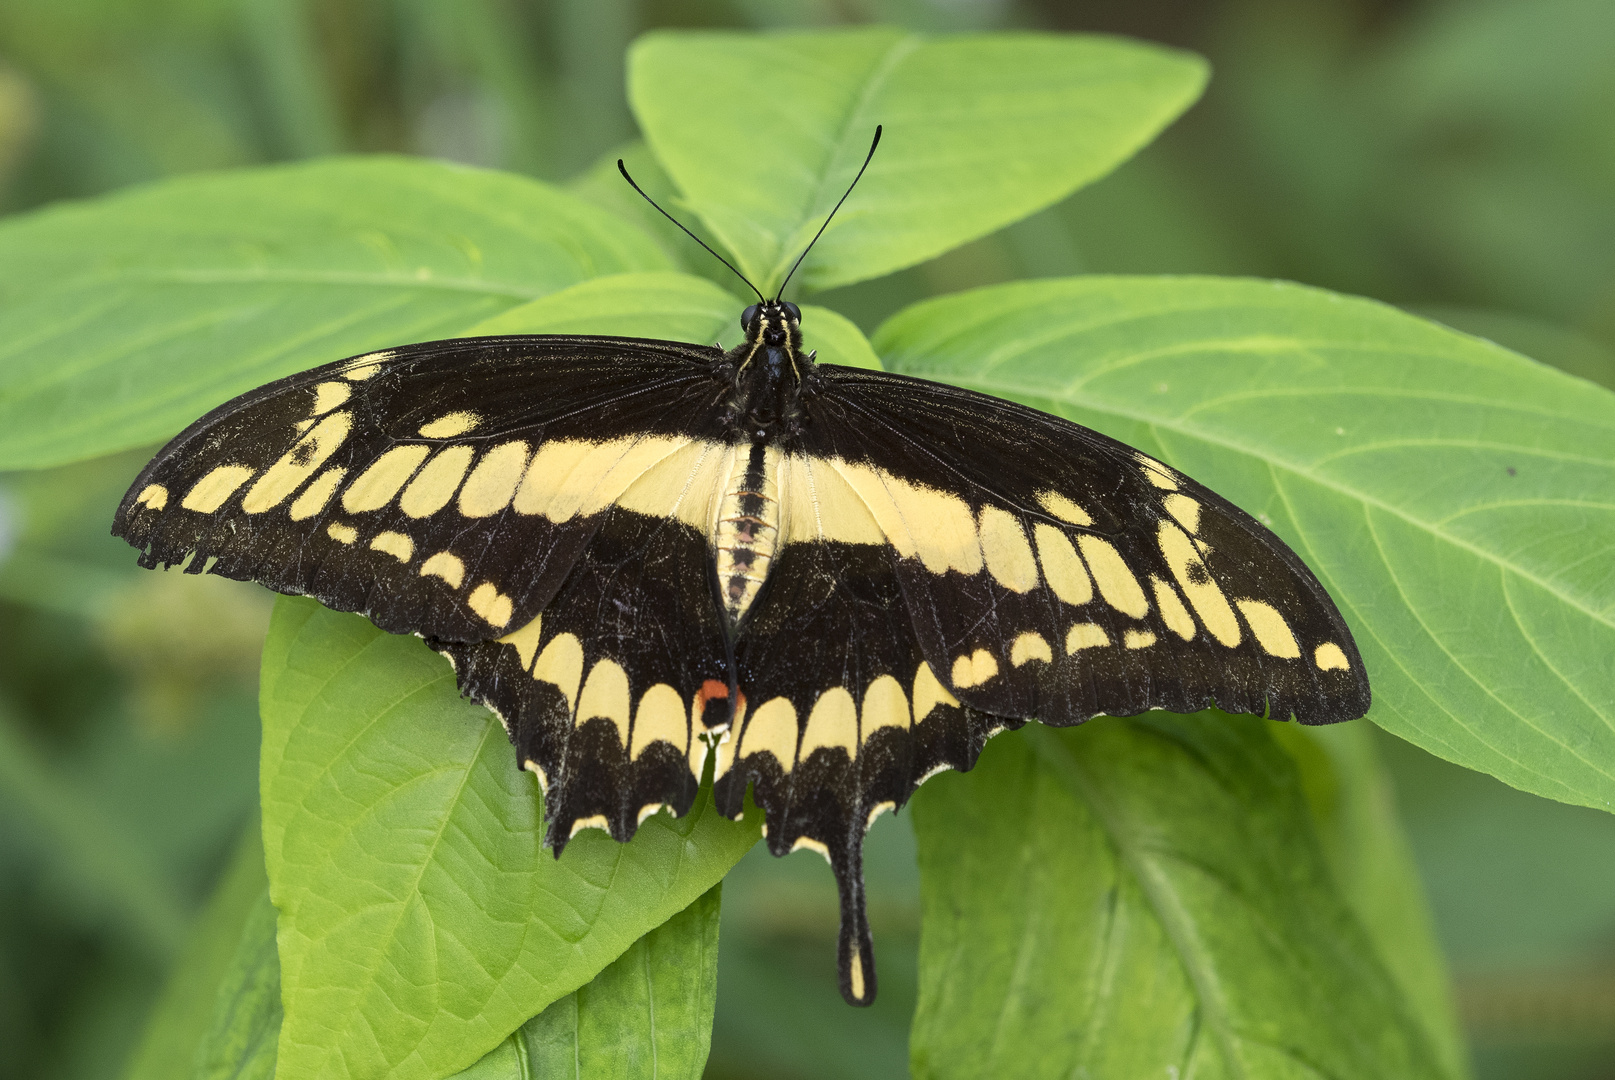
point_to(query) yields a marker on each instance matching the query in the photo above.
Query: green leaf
(675, 307)
(649, 1014)
(763, 133)
(125, 318)
(184, 1015)
(421, 921)
(240, 1044)
(1353, 809)
(1143, 897)
(1455, 498)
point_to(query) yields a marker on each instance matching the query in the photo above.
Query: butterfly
(824, 584)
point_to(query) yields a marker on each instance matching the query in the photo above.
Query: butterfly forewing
(444, 489)
(1096, 579)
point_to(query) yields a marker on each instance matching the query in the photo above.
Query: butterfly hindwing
(842, 718)
(603, 693)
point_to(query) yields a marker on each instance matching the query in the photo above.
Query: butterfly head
(774, 325)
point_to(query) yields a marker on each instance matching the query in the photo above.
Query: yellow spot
(447, 427)
(856, 973)
(605, 694)
(395, 544)
(817, 503)
(648, 809)
(1116, 582)
(681, 485)
(1086, 635)
(1156, 473)
(378, 484)
(832, 723)
(1185, 510)
(1138, 639)
(1197, 584)
(436, 484)
(525, 641)
(1178, 619)
(317, 494)
(569, 478)
(543, 779)
(299, 463)
(933, 526)
(1063, 508)
(212, 490)
(365, 366)
(974, 669)
(812, 845)
(1028, 647)
(1272, 632)
(561, 665)
(1005, 548)
(885, 705)
(772, 729)
(328, 395)
(1061, 568)
(598, 821)
(929, 693)
(659, 718)
(446, 566)
(492, 483)
(154, 496)
(875, 812)
(492, 605)
(342, 534)
(1329, 657)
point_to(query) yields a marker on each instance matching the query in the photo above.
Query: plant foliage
(1129, 896)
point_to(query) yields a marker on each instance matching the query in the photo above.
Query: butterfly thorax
(766, 374)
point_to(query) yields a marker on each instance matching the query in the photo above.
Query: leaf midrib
(1054, 755)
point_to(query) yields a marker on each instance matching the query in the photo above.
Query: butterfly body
(827, 584)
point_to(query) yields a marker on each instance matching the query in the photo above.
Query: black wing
(955, 564)
(444, 489)
(527, 504)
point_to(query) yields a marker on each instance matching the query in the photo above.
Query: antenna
(833, 210)
(624, 170)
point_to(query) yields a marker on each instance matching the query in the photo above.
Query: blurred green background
(1454, 157)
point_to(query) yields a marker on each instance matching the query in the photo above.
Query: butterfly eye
(793, 311)
(747, 317)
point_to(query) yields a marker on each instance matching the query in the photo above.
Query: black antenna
(833, 210)
(624, 170)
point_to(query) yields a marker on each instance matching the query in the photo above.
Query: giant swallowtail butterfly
(830, 583)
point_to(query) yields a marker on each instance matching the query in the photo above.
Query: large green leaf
(648, 1015)
(1457, 500)
(125, 318)
(764, 133)
(1354, 811)
(1143, 897)
(420, 920)
(186, 1012)
(240, 1043)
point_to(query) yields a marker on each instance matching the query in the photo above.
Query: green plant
(1204, 893)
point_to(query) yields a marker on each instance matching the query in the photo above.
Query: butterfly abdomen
(746, 532)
